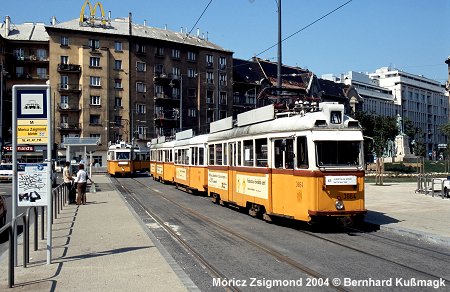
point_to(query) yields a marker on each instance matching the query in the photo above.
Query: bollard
(25, 240)
(42, 222)
(36, 221)
(11, 254)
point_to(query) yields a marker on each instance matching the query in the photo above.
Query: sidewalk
(396, 207)
(99, 246)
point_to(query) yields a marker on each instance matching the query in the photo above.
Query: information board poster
(32, 184)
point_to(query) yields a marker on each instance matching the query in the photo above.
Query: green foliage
(399, 167)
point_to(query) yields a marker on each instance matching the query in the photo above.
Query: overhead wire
(201, 15)
(305, 27)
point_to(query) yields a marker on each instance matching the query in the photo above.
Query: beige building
(116, 80)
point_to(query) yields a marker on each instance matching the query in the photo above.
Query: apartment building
(117, 80)
(388, 92)
(24, 59)
(423, 101)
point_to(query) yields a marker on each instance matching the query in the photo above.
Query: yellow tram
(161, 162)
(126, 159)
(305, 164)
(191, 170)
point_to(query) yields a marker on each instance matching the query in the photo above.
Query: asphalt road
(332, 252)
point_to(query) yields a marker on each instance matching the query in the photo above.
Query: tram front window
(123, 156)
(338, 153)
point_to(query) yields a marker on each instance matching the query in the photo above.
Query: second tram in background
(125, 159)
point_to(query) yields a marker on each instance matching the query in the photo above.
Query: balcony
(70, 127)
(161, 75)
(66, 87)
(31, 58)
(66, 107)
(66, 68)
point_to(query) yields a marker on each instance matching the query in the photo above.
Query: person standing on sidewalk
(68, 182)
(81, 180)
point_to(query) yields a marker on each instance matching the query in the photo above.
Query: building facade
(117, 80)
(24, 59)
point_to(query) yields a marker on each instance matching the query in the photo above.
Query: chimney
(165, 26)
(53, 20)
(198, 32)
(130, 31)
(109, 14)
(181, 29)
(7, 25)
(145, 22)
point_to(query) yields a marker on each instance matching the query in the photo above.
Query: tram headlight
(339, 205)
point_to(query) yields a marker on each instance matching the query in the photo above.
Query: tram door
(282, 175)
(231, 169)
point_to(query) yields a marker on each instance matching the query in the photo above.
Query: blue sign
(32, 104)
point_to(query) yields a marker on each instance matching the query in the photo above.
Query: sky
(362, 35)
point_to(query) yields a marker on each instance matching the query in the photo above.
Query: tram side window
(248, 153)
(239, 153)
(232, 154)
(302, 153)
(261, 152)
(219, 154)
(201, 156)
(284, 153)
(211, 154)
(194, 155)
(225, 154)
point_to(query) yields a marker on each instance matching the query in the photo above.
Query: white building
(389, 92)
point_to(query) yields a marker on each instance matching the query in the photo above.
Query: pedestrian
(81, 180)
(68, 181)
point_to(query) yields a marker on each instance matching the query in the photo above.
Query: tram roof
(201, 139)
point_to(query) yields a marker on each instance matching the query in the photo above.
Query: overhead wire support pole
(279, 84)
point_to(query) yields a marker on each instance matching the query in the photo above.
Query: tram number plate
(348, 196)
(340, 180)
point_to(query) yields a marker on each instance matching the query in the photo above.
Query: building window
(64, 99)
(142, 132)
(94, 62)
(223, 79)
(141, 67)
(191, 73)
(192, 112)
(159, 68)
(94, 44)
(209, 96)
(42, 73)
(176, 72)
(191, 56)
(140, 108)
(64, 82)
(140, 49)
(209, 60)
(118, 102)
(159, 89)
(64, 119)
(176, 92)
(159, 52)
(223, 62)
(95, 100)
(118, 64)
(118, 46)
(118, 84)
(210, 77)
(141, 87)
(94, 119)
(175, 54)
(64, 41)
(65, 60)
(94, 81)
(41, 54)
(19, 72)
(19, 53)
(223, 98)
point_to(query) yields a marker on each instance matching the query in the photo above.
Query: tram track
(215, 272)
